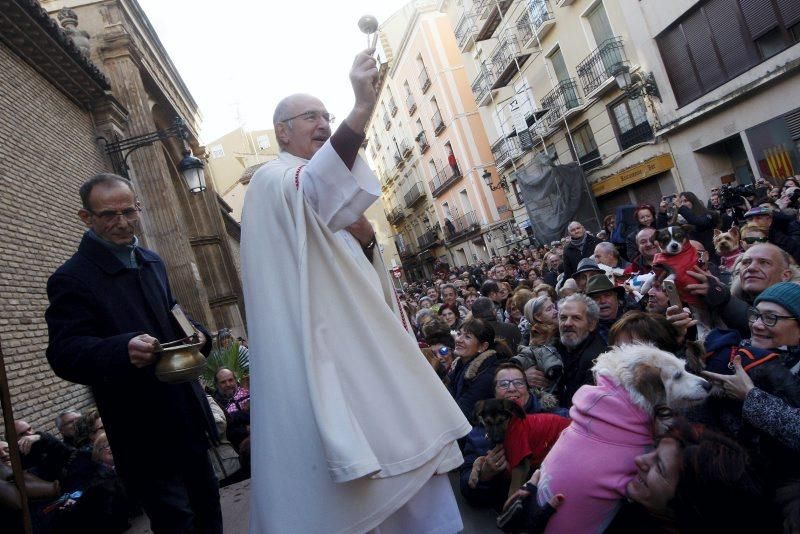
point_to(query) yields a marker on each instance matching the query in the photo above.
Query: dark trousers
(184, 501)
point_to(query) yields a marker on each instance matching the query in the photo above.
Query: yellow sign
(637, 173)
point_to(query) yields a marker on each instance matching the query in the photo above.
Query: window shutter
(790, 11)
(759, 16)
(706, 61)
(675, 55)
(733, 41)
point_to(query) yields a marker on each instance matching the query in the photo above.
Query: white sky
(246, 55)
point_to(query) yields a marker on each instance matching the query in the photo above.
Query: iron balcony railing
(638, 134)
(563, 98)
(438, 123)
(444, 178)
(422, 142)
(395, 215)
(506, 149)
(465, 31)
(504, 58)
(463, 225)
(411, 104)
(387, 123)
(392, 107)
(539, 12)
(424, 80)
(482, 85)
(524, 29)
(414, 194)
(405, 148)
(590, 160)
(599, 66)
(399, 161)
(427, 239)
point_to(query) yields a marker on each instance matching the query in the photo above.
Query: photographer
(777, 226)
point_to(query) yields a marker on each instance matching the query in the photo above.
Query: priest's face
(304, 134)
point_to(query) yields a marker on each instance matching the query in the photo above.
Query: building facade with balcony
(432, 152)
(543, 77)
(728, 73)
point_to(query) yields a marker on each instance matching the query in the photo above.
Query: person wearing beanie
(769, 403)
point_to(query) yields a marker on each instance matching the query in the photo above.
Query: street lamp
(487, 179)
(190, 167)
(635, 84)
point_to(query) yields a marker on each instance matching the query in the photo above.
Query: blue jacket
(96, 306)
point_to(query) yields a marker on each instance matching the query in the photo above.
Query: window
(584, 148)
(263, 142)
(217, 152)
(630, 119)
(720, 39)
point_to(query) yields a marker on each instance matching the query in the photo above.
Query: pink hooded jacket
(593, 460)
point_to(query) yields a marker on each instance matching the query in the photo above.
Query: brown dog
(727, 245)
(526, 438)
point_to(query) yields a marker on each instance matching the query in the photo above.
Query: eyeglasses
(518, 383)
(313, 116)
(130, 214)
(768, 318)
(751, 240)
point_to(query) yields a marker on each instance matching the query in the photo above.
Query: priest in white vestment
(351, 429)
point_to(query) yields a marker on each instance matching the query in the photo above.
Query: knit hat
(588, 264)
(786, 294)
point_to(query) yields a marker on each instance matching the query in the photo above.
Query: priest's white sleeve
(339, 195)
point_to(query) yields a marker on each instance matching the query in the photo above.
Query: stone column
(162, 226)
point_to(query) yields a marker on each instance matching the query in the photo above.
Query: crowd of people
(71, 480)
(528, 327)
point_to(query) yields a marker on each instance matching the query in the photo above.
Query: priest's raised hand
(363, 77)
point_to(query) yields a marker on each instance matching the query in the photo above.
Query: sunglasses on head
(751, 240)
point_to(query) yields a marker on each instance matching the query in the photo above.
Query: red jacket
(678, 264)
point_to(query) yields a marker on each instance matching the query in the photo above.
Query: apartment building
(728, 75)
(563, 77)
(428, 145)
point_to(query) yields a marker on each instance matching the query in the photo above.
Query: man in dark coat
(108, 305)
(581, 245)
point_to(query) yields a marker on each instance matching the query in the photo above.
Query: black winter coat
(573, 255)
(96, 306)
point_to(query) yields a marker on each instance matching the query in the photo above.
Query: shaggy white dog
(612, 423)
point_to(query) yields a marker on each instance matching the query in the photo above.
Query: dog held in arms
(526, 438)
(637, 387)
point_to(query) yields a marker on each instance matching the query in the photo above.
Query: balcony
(438, 123)
(462, 226)
(406, 150)
(489, 15)
(396, 215)
(414, 195)
(465, 32)
(428, 239)
(638, 134)
(598, 67)
(540, 20)
(392, 106)
(408, 251)
(562, 101)
(399, 161)
(444, 178)
(505, 59)
(377, 142)
(411, 104)
(387, 123)
(482, 86)
(422, 142)
(590, 160)
(564, 3)
(424, 81)
(505, 150)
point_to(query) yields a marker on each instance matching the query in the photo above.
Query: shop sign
(631, 175)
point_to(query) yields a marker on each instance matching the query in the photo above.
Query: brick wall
(47, 149)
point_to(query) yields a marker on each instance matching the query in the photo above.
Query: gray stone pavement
(235, 501)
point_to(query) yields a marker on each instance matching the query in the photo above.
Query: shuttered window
(720, 39)
(790, 11)
(759, 15)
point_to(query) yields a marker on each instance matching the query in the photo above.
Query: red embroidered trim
(400, 307)
(297, 177)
